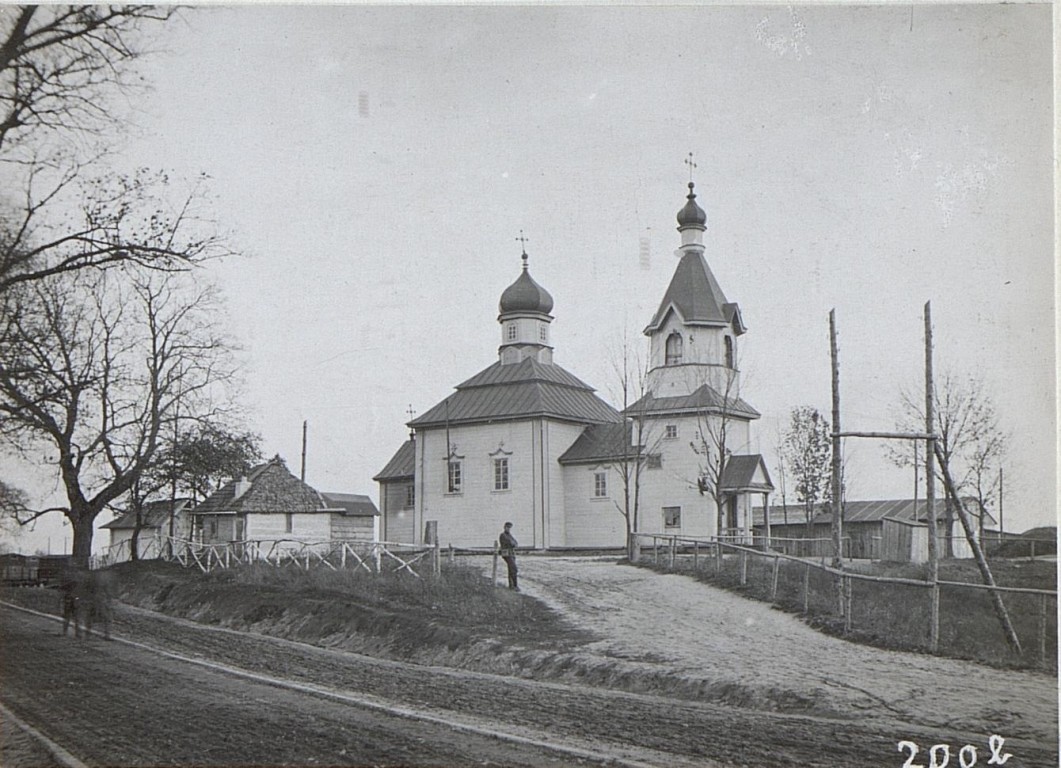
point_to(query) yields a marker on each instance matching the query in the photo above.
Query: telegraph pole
(303, 478)
(930, 481)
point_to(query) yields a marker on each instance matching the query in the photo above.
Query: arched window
(674, 349)
(729, 351)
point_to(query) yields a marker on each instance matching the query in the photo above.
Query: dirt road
(145, 701)
(749, 653)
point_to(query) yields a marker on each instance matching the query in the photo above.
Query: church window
(454, 477)
(543, 333)
(289, 522)
(674, 349)
(410, 496)
(729, 351)
(500, 474)
(600, 484)
(672, 517)
(654, 461)
(511, 331)
(670, 432)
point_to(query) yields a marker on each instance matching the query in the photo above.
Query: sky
(375, 166)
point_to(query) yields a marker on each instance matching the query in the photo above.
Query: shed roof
(864, 512)
(401, 466)
(521, 390)
(351, 504)
(154, 514)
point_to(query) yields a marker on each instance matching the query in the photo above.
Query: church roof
(522, 390)
(600, 443)
(739, 474)
(402, 464)
(696, 296)
(704, 398)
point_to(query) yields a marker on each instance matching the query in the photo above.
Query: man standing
(508, 553)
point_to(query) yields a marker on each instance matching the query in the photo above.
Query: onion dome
(692, 215)
(525, 295)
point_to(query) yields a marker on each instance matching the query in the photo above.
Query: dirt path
(702, 633)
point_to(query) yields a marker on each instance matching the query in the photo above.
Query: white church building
(526, 441)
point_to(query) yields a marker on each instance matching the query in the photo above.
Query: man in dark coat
(508, 553)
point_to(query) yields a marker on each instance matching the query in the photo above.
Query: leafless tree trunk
(93, 365)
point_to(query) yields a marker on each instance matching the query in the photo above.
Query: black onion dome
(525, 295)
(691, 214)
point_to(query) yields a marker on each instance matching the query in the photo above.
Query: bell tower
(693, 335)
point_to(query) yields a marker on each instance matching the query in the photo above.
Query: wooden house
(271, 504)
(153, 522)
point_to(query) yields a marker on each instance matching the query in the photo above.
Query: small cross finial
(689, 162)
(410, 411)
(522, 240)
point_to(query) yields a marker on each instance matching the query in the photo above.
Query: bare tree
(713, 442)
(94, 366)
(60, 69)
(972, 444)
(807, 452)
(636, 435)
(59, 64)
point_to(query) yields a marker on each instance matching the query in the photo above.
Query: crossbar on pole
(888, 435)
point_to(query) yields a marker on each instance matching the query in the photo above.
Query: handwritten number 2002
(967, 755)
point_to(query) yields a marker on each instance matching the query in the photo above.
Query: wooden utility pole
(978, 554)
(1001, 529)
(304, 425)
(930, 483)
(837, 526)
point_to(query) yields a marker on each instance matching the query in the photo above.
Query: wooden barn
(873, 530)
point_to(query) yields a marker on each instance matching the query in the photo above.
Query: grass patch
(896, 616)
(395, 614)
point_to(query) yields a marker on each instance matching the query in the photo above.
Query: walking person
(508, 554)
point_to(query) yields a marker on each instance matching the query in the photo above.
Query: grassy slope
(896, 616)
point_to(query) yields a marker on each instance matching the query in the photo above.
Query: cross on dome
(522, 240)
(689, 162)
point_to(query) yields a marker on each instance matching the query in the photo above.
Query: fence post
(773, 589)
(847, 603)
(718, 556)
(1042, 630)
(342, 556)
(806, 588)
(673, 547)
(496, 545)
(696, 554)
(436, 559)
(743, 567)
(1031, 552)
(377, 556)
(452, 555)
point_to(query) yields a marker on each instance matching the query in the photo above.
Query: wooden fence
(373, 556)
(782, 572)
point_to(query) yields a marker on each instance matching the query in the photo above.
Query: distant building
(154, 525)
(526, 441)
(271, 504)
(894, 529)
